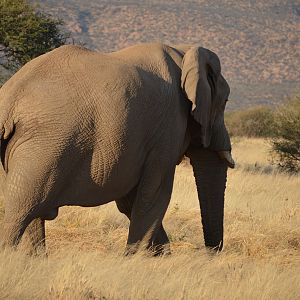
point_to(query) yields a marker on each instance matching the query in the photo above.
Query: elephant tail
(7, 130)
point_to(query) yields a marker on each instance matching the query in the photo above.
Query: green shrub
(26, 32)
(286, 141)
(254, 122)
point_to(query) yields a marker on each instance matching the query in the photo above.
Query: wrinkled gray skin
(85, 128)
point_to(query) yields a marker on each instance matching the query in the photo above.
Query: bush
(26, 32)
(254, 122)
(286, 141)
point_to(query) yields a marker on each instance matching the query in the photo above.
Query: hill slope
(257, 41)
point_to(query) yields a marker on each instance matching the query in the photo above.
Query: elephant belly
(98, 182)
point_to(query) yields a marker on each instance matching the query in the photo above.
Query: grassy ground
(261, 258)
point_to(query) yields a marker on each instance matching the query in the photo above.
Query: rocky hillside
(258, 41)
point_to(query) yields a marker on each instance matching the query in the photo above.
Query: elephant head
(210, 146)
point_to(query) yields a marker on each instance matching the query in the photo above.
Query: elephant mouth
(227, 157)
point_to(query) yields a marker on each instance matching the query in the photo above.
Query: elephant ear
(200, 71)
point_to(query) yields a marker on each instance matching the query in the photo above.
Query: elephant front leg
(159, 244)
(148, 209)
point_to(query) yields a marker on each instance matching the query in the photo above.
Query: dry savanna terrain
(261, 258)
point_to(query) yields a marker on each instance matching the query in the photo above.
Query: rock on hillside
(258, 41)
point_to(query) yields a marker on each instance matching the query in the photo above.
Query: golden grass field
(261, 257)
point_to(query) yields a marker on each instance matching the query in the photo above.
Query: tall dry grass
(261, 258)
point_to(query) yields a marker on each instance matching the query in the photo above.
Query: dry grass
(261, 259)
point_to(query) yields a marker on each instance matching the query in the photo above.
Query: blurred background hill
(258, 41)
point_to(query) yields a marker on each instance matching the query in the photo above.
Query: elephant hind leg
(28, 192)
(22, 221)
(159, 244)
(12, 231)
(30, 232)
(33, 239)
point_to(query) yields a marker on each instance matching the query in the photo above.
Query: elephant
(84, 128)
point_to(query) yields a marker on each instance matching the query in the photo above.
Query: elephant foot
(153, 250)
(160, 245)
(160, 250)
(212, 250)
(131, 249)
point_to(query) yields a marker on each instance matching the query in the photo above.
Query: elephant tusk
(226, 155)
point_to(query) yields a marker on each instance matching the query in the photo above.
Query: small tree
(26, 32)
(286, 143)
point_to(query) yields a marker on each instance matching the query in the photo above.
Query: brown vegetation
(257, 121)
(261, 259)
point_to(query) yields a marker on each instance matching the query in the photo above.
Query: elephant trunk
(210, 173)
